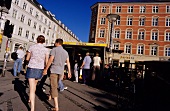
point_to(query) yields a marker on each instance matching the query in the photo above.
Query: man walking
(58, 57)
(86, 68)
(18, 62)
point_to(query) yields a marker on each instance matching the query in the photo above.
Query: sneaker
(63, 89)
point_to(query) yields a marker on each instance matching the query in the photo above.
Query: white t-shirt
(20, 53)
(97, 61)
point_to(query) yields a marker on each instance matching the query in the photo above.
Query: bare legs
(32, 84)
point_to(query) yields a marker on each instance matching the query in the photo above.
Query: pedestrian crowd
(39, 61)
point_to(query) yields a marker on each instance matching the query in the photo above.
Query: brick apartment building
(142, 32)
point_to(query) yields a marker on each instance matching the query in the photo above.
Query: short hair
(97, 54)
(20, 47)
(60, 41)
(40, 39)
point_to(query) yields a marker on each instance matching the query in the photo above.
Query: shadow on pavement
(21, 89)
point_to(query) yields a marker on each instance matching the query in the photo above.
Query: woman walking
(38, 58)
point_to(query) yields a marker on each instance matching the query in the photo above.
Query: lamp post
(112, 18)
(3, 11)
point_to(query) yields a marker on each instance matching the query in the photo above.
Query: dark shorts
(34, 73)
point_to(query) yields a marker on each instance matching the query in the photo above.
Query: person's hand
(45, 72)
(69, 75)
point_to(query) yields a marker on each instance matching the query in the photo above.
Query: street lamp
(112, 18)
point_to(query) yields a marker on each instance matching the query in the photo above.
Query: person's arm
(69, 68)
(83, 63)
(46, 59)
(48, 64)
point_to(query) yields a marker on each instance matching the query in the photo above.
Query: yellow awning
(85, 44)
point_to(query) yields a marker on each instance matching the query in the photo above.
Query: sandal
(54, 109)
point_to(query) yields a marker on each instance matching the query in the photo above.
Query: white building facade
(31, 19)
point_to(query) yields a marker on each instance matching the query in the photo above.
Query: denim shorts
(34, 73)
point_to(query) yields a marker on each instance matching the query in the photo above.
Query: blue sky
(75, 14)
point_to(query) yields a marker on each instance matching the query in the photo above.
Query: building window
(155, 9)
(44, 30)
(168, 21)
(31, 11)
(155, 21)
(116, 46)
(22, 18)
(154, 50)
(118, 21)
(118, 9)
(46, 41)
(142, 9)
(167, 51)
(29, 22)
(167, 36)
(46, 21)
(140, 49)
(14, 14)
(40, 28)
(117, 34)
(35, 25)
(54, 27)
(102, 21)
(20, 31)
(129, 34)
(154, 35)
(141, 35)
(104, 9)
(48, 33)
(92, 34)
(49, 24)
(167, 9)
(16, 2)
(41, 18)
(36, 15)
(129, 21)
(142, 21)
(128, 49)
(24, 6)
(130, 9)
(33, 36)
(102, 31)
(27, 34)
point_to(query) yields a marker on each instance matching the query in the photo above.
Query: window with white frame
(128, 48)
(142, 9)
(129, 34)
(22, 18)
(129, 21)
(31, 10)
(102, 32)
(154, 35)
(118, 9)
(155, 9)
(167, 51)
(167, 36)
(49, 24)
(45, 21)
(117, 34)
(141, 35)
(14, 13)
(104, 9)
(24, 6)
(102, 21)
(35, 25)
(40, 28)
(44, 30)
(168, 21)
(20, 31)
(54, 27)
(153, 50)
(16, 2)
(168, 9)
(33, 36)
(46, 41)
(36, 15)
(140, 49)
(27, 34)
(155, 21)
(116, 46)
(142, 21)
(118, 21)
(41, 18)
(48, 33)
(29, 22)
(130, 9)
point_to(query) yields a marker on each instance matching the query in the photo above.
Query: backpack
(14, 55)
